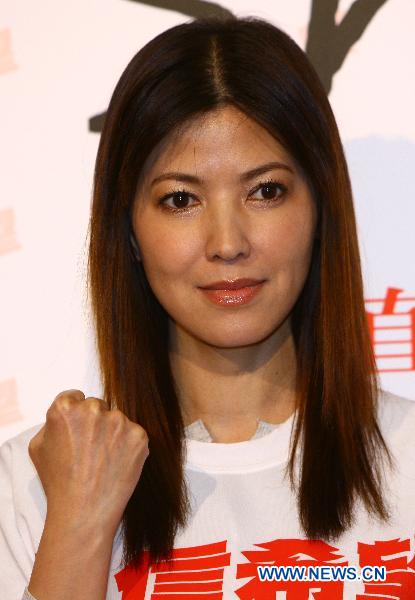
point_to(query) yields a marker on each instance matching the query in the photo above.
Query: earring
(136, 251)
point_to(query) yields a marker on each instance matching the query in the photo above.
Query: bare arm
(72, 561)
(89, 460)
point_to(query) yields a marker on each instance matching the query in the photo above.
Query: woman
(246, 425)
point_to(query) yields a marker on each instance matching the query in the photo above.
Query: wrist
(83, 527)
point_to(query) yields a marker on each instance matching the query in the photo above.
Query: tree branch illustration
(191, 8)
(327, 43)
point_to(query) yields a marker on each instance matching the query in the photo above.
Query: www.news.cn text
(321, 573)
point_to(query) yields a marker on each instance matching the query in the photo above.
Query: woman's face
(223, 200)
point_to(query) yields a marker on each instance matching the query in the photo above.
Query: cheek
(289, 242)
(166, 253)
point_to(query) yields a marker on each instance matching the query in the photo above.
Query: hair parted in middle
(181, 74)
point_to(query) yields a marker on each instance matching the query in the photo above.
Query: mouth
(233, 293)
(232, 284)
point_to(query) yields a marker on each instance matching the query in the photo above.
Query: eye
(180, 199)
(269, 190)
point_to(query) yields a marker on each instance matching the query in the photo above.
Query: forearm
(71, 562)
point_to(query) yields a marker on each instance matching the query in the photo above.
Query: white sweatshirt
(243, 516)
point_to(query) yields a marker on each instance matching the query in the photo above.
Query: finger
(67, 398)
(96, 404)
(72, 394)
(36, 441)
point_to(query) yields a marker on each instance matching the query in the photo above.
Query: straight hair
(183, 73)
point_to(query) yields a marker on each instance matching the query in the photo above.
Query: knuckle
(140, 434)
(95, 405)
(116, 420)
(76, 395)
(116, 416)
(67, 399)
(53, 412)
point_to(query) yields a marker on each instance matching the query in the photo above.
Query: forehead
(225, 138)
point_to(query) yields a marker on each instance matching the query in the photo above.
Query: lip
(232, 284)
(238, 295)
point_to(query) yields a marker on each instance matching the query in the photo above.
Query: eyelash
(283, 190)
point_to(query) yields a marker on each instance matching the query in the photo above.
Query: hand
(89, 460)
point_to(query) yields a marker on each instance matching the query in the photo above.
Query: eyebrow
(244, 176)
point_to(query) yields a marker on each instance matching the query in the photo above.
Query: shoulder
(18, 473)
(396, 418)
(14, 451)
(22, 502)
(396, 413)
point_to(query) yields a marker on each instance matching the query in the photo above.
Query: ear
(135, 248)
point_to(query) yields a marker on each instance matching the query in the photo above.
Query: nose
(227, 236)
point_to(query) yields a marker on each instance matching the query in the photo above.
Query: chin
(236, 338)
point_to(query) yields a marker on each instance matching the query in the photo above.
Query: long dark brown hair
(184, 72)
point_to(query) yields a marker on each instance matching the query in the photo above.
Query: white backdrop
(59, 62)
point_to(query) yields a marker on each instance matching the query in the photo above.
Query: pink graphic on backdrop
(6, 55)
(9, 407)
(392, 330)
(8, 241)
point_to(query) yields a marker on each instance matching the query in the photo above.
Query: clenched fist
(89, 460)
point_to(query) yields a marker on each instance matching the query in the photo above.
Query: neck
(231, 388)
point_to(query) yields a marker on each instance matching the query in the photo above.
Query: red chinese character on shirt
(132, 582)
(400, 573)
(288, 552)
(392, 330)
(196, 572)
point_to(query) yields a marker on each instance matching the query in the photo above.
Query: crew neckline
(250, 455)
(198, 430)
